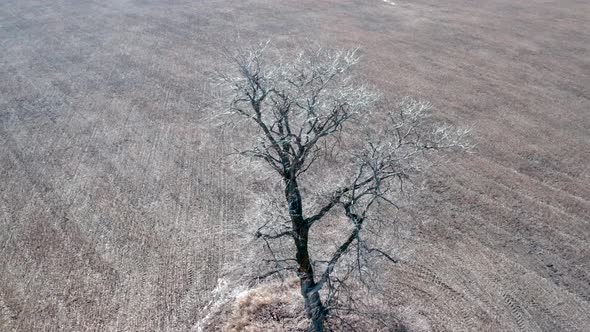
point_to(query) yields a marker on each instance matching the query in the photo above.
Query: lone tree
(303, 109)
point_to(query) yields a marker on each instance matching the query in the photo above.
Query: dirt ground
(115, 210)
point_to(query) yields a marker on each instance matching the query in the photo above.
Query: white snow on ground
(222, 294)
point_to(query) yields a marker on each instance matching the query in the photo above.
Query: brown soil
(115, 208)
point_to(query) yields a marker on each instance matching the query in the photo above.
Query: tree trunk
(313, 304)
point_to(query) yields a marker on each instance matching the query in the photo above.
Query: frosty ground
(116, 204)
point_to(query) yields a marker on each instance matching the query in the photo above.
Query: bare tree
(303, 109)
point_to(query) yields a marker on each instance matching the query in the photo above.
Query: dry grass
(278, 306)
(272, 307)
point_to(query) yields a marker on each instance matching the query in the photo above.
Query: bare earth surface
(114, 207)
